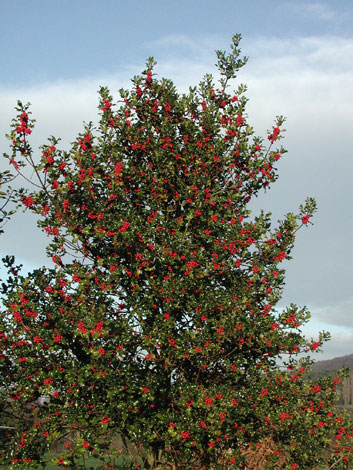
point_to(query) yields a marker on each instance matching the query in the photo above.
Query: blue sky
(57, 53)
(67, 39)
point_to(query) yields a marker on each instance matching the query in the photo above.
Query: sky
(57, 53)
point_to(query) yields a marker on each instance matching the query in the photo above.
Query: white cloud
(181, 44)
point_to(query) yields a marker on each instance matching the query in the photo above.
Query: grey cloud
(340, 313)
(339, 345)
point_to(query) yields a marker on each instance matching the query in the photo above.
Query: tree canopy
(157, 320)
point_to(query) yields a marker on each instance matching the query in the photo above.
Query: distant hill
(334, 364)
(328, 367)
